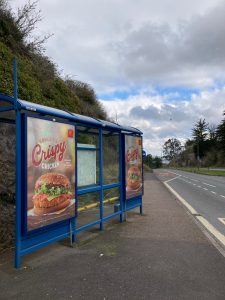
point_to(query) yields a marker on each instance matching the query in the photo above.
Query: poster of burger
(50, 172)
(133, 149)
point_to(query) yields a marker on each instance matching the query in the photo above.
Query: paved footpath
(161, 255)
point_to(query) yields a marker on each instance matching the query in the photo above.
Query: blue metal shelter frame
(16, 111)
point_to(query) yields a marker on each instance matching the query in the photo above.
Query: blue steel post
(18, 189)
(101, 179)
(76, 188)
(18, 171)
(15, 80)
(124, 177)
(141, 206)
(121, 175)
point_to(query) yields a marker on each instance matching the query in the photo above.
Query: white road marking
(213, 192)
(205, 189)
(202, 220)
(172, 179)
(174, 173)
(199, 186)
(212, 229)
(194, 180)
(208, 184)
(194, 183)
(222, 220)
(184, 202)
(222, 196)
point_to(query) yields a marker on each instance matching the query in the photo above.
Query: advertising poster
(133, 151)
(50, 172)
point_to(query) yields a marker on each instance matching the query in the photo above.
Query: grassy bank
(146, 168)
(204, 171)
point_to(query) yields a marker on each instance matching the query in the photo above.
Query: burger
(134, 178)
(52, 193)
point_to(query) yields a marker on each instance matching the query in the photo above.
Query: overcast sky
(156, 65)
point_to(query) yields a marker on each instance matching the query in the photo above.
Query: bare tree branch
(26, 19)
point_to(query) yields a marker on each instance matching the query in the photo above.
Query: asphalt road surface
(206, 194)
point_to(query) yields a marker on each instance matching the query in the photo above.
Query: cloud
(160, 121)
(161, 63)
(191, 54)
(112, 44)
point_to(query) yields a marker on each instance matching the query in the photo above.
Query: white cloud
(122, 46)
(160, 121)
(112, 43)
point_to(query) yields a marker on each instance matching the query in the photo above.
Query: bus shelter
(73, 172)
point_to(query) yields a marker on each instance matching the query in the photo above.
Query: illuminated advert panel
(50, 172)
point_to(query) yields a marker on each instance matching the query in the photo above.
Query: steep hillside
(38, 78)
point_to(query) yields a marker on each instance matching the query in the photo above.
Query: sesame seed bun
(53, 179)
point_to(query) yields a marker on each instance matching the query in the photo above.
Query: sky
(155, 65)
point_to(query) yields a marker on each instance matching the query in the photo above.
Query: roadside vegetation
(147, 169)
(205, 149)
(152, 162)
(39, 79)
(204, 171)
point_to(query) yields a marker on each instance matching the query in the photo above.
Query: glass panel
(87, 137)
(87, 160)
(111, 201)
(8, 115)
(88, 208)
(87, 167)
(110, 158)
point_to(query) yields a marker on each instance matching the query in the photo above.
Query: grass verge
(146, 168)
(204, 171)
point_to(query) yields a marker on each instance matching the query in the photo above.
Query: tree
(153, 162)
(212, 128)
(221, 134)
(200, 133)
(171, 149)
(26, 21)
(148, 160)
(157, 162)
(17, 30)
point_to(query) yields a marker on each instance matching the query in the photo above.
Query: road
(206, 194)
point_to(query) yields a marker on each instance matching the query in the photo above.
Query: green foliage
(152, 162)
(171, 149)
(221, 134)
(208, 143)
(87, 97)
(38, 78)
(52, 191)
(204, 171)
(200, 133)
(147, 168)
